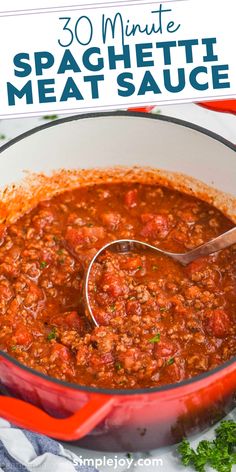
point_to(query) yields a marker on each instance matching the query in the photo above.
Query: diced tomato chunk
(61, 352)
(145, 217)
(69, 320)
(156, 226)
(103, 317)
(165, 348)
(131, 198)
(73, 320)
(131, 263)
(95, 361)
(113, 284)
(83, 235)
(98, 360)
(107, 358)
(111, 219)
(22, 336)
(133, 307)
(218, 323)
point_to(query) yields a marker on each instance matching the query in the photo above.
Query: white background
(38, 32)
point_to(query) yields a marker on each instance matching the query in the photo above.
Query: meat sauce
(160, 323)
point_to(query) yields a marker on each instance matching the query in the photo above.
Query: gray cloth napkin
(24, 451)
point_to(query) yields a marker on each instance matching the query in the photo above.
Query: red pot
(107, 419)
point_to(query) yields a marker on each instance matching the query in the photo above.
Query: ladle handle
(221, 242)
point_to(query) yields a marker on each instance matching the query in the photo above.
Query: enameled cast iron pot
(107, 419)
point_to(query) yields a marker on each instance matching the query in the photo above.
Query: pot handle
(76, 426)
(224, 106)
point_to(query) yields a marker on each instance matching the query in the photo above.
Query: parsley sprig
(220, 454)
(52, 334)
(155, 339)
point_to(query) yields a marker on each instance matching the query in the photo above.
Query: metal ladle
(127, 245)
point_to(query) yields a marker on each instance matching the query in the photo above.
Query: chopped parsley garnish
(43, 264)
(155, 339)
(112, 308)
(118, 366)
(2, 136)
(50, 117)
(13, 348)
(171, 361)
(154, 267)
(220, 453)
(139, 267)
(60, 252)
(163, 308)
(52, 334)
(61, 261)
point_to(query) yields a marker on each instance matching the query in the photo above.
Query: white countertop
(164, 459)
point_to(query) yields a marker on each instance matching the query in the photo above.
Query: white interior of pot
(121, 140)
